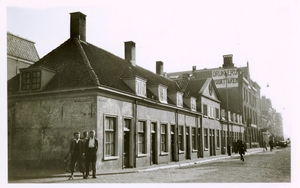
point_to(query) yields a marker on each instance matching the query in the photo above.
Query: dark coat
(81, 146)
(94, 151)
(241, 148)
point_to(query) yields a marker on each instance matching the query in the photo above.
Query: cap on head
(77, 132)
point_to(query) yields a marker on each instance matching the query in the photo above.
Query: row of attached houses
(141, 118)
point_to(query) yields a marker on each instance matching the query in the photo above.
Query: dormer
(160, 91)
(138, 85)
(191, 103)
(34, 79)
(177, 98)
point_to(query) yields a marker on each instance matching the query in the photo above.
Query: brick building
(242, 92)
(141, 118)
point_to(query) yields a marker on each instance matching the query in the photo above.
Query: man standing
(84, 140)
(91, 148)
(76, 152)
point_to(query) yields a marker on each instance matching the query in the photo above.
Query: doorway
(153, 155)
(126, 143)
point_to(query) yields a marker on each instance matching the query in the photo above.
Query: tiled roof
(80, 64)
(21, 48)
(192, 87)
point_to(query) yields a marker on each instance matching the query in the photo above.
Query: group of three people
(83, 152)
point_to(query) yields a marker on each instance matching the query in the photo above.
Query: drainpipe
(133, 134)
(176, 137)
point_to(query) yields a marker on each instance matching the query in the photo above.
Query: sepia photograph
(129, 92)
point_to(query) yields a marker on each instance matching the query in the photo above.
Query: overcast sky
(182, 34)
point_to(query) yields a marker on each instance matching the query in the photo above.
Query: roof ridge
(87, 62)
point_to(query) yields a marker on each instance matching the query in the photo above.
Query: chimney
(160, 68)
(227, 61)
(130, 52)
(78, 26)
(194, 68)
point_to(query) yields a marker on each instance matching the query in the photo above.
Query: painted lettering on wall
(220, 78)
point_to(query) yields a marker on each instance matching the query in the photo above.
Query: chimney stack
(194, 68)
(160, 68)
(130, 52)
(78, 26)
(227, 61)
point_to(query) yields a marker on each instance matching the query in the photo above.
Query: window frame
(115, 138)
(140, 87)
(142, 133)
(29, 80)
(205, 113)
(194, 139)
(164, 135)
(193, 104)
(162, 92)
(180, 139)
(179, 99)
(206, 139)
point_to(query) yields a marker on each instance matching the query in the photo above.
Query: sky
(182, 34)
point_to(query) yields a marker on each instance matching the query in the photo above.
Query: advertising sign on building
(220, 77)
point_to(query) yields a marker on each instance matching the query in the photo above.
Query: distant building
(21, 53)
(273, 118)
(243, 94)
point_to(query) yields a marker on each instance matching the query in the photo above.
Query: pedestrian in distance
(241, 149)
(271, 143)
(76, 153)
(91, 147)
(265, 146)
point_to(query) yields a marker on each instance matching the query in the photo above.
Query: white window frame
(179, 100)
(115, 132)
(140, 87)
(165, 133)
(162, 92)
(193, 104)
(144, 133)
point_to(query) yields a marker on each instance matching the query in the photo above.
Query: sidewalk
(41, 173)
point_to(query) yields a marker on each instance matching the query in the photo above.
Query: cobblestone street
(259, 167)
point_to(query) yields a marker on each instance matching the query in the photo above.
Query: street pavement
(52, 176)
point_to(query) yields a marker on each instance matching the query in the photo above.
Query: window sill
(194, 151)
(142, 155)
(181, 152)
(164, 153)
(111, 158)
(217, 148)
(205, 149)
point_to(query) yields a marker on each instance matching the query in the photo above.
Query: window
(180, 138)
(205, 109)
(218, 138)
(141, 137)
(211, 111)
(217, 113)
(162, 94)
(205, 138)
(193, 104)
(110, 133)
(30, 80)
(179, 100)
(163, 138)
(194, 138)
(140, 86)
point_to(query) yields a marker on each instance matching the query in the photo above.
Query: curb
(167, 166)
